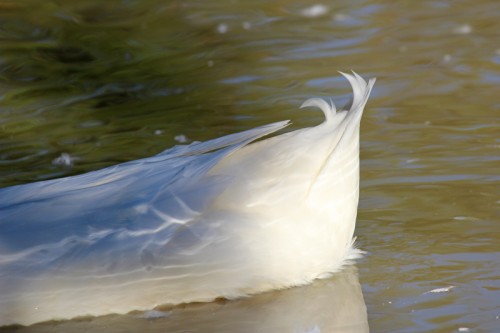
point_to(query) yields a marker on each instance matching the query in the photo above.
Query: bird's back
(222, 218)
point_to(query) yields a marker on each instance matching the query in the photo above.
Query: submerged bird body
(223, 218)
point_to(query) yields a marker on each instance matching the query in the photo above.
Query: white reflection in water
(331, 305)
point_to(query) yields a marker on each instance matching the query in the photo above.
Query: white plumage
(224, 218)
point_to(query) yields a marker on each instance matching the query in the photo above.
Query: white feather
(222, 218)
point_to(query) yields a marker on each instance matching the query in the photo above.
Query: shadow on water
(332, 305)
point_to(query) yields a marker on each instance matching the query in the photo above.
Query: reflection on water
(110, 82)
(331, 305)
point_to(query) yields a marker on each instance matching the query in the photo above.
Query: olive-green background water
(111, 81)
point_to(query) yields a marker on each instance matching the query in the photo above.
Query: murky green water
(107, 82)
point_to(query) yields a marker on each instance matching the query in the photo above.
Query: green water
(108, 82)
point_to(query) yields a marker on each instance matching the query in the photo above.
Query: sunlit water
(87, 84)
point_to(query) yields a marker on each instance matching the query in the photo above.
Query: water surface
(110, 82)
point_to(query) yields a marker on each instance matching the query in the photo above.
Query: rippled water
(87, 84)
